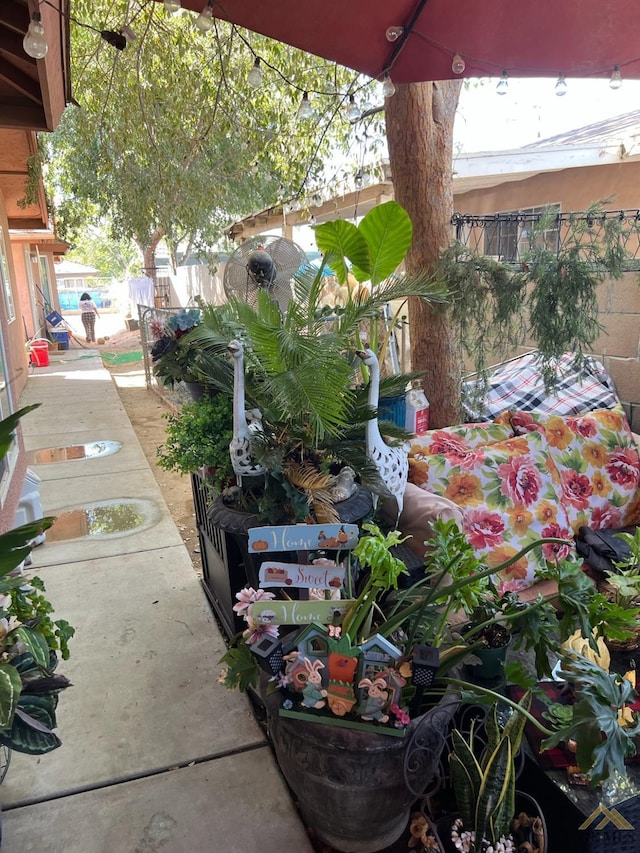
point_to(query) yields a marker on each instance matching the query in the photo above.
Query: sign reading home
(299, 612)
(302, 537)
(301, 576)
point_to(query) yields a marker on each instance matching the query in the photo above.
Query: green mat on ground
(122, 357)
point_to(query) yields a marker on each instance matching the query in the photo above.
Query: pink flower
(483, 529)
(523, 422)
(586, 427)
(402, 718)
(622, 466)
(556, 552)
(576, 488)
(521, 480)
(605, 517)
(257, 631)
(247, 596)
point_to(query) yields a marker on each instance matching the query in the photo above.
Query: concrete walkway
(156, 755)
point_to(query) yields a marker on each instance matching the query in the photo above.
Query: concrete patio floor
(156, 754)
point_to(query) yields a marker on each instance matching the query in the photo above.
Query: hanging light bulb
(561, 85)
(171, 6)
(34, 43)
(312, 220)
(503, 84)
(128, 33)
(353, 110)
(616, 78)
(388, 89)
(204, 21)
(254, 78)
(394, 33)
(458, 64)
(305, 110)
(367, 106)
(358, 179)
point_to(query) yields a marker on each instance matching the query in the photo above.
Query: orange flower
(503, 553)
(558, 433)
(611, 418)
(418, 472)
(600, 484)
(520, 519)
(515, 446)
(464, 489)
(594, 454)
(546, 512)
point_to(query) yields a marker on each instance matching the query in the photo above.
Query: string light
(503, 84)
(616, 78)
(358, 179)
(353, 110)
(254, 78)
(171, 6)
(305, 110)
(394, 33)
(388, 89)
(34, 43)
(204, 21)
(458, 64)
(561, 85)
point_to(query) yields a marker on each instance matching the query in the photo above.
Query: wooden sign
(301, 576)
(299, 612)
(302, 537)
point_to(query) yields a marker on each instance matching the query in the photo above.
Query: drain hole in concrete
(104, 520)
(91, 450)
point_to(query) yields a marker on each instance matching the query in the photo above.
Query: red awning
(538, 38)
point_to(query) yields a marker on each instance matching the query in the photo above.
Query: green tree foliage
(169, 141)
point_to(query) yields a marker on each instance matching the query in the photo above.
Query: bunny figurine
(313, 693)
(377, 698)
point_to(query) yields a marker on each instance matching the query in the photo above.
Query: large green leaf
(8, 426)
(339, 240)
(31, 730)
(34, 642)
(10, 687)
(388, 231)
(495, 785)
(14, 545)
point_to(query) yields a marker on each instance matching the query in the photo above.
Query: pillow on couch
(598, 463)
(508, 492)
(457, 441)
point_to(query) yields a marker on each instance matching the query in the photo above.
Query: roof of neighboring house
(69, 269)
(619, 128)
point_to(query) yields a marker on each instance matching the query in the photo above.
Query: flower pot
(491, 666)
(355, 788)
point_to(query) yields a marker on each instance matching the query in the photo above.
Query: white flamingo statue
(242, 459)
(392, 462)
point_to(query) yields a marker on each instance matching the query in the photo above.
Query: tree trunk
(420, 134)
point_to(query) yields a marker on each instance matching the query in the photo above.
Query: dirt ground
(145, 408)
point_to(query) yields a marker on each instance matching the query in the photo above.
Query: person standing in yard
(89, 314)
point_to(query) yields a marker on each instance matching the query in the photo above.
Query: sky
(531, 110)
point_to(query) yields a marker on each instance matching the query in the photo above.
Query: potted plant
(30, 640)
(622, 587)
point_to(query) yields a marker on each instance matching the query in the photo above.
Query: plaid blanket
(518, 384)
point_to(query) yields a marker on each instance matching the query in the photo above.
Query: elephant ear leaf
(388, 231)
(338, 240)
(31, 730)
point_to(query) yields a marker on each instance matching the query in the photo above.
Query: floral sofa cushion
(461, 439)
(598, 463)
(509, 494)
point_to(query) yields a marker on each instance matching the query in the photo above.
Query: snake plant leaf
(496, 778)
(32, 723)
(338, 240)
(10, 687)
(466, 776)
(388, 231)
(35, 643)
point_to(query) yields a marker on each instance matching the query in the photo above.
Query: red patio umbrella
(538, 38)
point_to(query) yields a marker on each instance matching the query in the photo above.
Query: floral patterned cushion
(460, 440)
(508, 491)
(598, 462)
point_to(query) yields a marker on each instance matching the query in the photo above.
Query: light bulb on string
(254, 78)
(128, 34)
(458, 64)
(388, 89)
(503, 84)
(305, 110)
(394, 33)
(171, 6)
(312, 220)
(204, 21)
(561, 85)
(358, 179)
(616, 78)
(34, 43)
(353, 110)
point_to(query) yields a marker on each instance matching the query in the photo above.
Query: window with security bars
(508, 237)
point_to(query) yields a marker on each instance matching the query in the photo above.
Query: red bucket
(39, 352)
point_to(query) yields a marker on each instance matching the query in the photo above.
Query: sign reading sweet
(301, 576)
(299, 612)
(302, 537)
